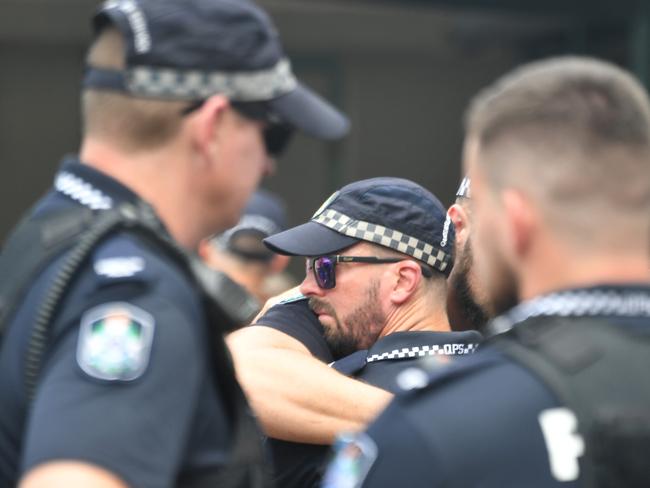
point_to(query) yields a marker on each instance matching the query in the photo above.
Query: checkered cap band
(421, 351)
(394, 239)
(244, 86)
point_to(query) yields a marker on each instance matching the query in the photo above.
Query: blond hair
(573, 132)
(128, 122)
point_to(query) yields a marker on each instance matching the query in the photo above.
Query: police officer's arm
(117, 396)
(295, 396)
(70, 473)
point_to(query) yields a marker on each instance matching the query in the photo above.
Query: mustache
(320, 306)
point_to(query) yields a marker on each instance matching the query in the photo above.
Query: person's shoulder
(127, 273)
(486, 371)
(442, 428)
(483, 392)
(125, 258)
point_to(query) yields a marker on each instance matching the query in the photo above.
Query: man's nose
(309, 287)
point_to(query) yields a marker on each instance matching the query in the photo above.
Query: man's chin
(504, 302)
(326, 320)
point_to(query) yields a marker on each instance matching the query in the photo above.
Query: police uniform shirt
(126, 383)
(294, 317)
(381, 364)
(299, 465)
(483, 422)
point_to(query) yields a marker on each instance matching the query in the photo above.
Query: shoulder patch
(354, 455)
(119, 267)
(115, 341)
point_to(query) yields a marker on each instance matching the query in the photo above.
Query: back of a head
(574, 134)
(129, 122)
(264, 215)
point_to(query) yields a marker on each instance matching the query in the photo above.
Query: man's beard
(503, 292)
(473, 314)
(358, 330)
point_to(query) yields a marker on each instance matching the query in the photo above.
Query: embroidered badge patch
(115, 341)
(354, 455)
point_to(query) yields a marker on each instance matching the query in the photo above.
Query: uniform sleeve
(120, 386)
(298, 321)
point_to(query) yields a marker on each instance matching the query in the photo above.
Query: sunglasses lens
(324, 272)
(276, 139)
(277, 135)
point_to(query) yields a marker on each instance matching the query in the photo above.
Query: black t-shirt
(294, 317)
(126, 383)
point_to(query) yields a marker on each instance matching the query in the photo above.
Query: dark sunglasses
(276, 134)
(323, 267)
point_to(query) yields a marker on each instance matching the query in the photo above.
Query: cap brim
(310, 239)
(308, 112)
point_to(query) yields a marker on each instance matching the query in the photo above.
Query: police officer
(378, 255)
(558, 152)
(240, 253)
(465, 298)
(125, 382)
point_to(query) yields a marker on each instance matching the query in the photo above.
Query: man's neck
(152, 176)
(586, 271)
(414, 318)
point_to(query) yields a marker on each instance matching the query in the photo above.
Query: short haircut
(129, 122)
(573, 131)
(432, 286)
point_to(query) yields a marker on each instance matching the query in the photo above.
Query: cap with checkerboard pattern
(194, 49)
(391, 212)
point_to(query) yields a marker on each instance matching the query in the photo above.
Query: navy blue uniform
(485, 421)
(126, 383)
(301, 465)
(382, 364)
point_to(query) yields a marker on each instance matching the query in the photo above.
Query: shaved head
(574, 135)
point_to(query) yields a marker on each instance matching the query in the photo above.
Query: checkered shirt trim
(82, 191)
(243, 86)
(421, 351)
(383, 236)
(582, 303)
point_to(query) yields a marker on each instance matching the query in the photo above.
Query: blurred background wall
(402, 70)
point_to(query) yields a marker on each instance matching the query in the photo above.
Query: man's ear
(458, 215)
(521, 220)
(207, 125)
(407, 278)
(279, 262)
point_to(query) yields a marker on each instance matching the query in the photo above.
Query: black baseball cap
(194, 49)
(265, 214)
(391, 212)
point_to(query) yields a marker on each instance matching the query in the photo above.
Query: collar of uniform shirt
(399, 345)
(601, 300)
